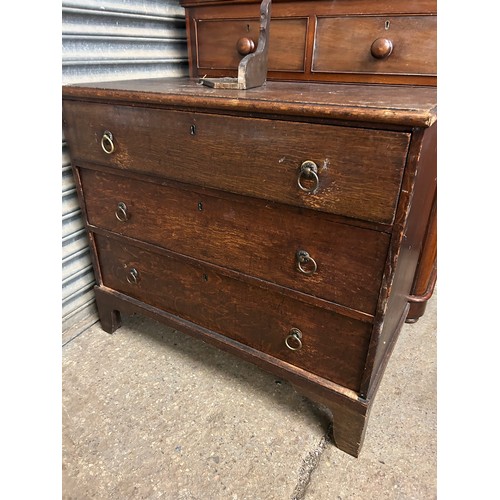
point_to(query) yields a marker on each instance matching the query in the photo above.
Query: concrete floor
(151, 413)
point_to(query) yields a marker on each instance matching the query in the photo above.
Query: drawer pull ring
(121, 212)
(294, 340)
(303, 258)
(308, 170)
(381, 48)
(133, 276)
(107, 144)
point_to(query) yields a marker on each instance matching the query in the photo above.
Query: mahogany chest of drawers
(371, 41)
(284, 224)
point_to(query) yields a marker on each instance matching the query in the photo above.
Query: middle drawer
(295, 248)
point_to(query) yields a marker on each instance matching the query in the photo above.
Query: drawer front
(218, 47)
(359, 171)
(376, 44)
(255, 238)
(333, 346)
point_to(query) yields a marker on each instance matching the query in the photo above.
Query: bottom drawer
(331, 346)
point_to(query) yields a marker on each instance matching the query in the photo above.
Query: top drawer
(222, 43)
(358, 171)
(388, 45)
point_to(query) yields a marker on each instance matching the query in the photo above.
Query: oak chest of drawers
(285, 224)
(200, 213)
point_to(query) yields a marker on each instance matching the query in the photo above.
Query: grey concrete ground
(151, 413)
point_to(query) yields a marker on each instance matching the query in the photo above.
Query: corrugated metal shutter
(108, 40)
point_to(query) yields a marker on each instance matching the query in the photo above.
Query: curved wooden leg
(109, 316)
(349, 419)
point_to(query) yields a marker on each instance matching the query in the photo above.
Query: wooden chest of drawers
(376, 41)
(283, 223)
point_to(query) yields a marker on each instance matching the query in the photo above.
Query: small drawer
(222, 43)
(284, 245)
(331, 345)
(358, 171)
(387, 45)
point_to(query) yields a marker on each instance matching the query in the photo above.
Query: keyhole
(200, 206)
(205, 277)
(193, 129)
(387, 25)
(248, 28)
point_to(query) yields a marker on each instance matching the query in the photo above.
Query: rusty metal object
(294, 340)
(252, 70)
(308, 170)
(305, 263)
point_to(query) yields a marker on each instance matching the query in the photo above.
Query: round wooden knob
(381, 48)
(245, 46)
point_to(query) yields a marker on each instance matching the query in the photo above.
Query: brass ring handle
(121, 212)
(295, 336)
(304, 258)
(107, 144)
(308, 170)
(133, 276)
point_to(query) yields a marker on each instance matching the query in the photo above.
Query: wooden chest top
(408, 106)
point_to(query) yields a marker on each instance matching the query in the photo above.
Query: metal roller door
(108, 40)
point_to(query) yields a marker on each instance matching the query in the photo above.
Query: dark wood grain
(344, 45)
(259, 239)
(334, 346)
(359, 171)
(371, 105)
(219, 49)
